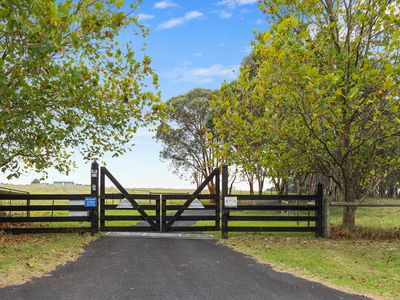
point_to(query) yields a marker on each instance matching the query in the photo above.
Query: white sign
(76, 202)
(77, 213)
(125, 204)
(196, 204)
(231, 202)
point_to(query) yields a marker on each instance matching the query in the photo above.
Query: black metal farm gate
(157, 212)
(124, 211)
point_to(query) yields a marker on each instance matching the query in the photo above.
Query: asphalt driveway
(146, 268)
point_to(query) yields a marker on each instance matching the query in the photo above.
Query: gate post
(326, 217)
(102, 198)
(225, 212)
(217, 201)
(94, 192)
(319, 211)
(163, 214)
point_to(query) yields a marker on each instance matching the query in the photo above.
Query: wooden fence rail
(258, 208)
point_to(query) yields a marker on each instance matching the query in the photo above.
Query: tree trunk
(349, 218)
(260, 185)
(251, 185)
(349, 213)
(390, 193)
(211, 187)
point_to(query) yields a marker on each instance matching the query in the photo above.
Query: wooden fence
(51, 213)
(44, 212)
(271, 211)
(29, 213)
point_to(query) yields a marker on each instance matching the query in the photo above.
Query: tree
(239, 110)
(330, 79)
(185, 135)
(35, 181)
(67, 83)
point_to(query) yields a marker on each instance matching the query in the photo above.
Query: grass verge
(365, 266)
(23, 257)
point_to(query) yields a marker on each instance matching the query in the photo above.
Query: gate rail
(40, 218)
(212, 209)
(106, 208)
(311, 205)
(52, 213)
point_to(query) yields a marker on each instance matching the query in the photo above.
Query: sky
(192, 43)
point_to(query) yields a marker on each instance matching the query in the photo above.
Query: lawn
(31, 255)
(365, 262)
(364, 266)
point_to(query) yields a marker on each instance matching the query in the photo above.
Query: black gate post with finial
(94, 192)
(319, 223)
(225, 212)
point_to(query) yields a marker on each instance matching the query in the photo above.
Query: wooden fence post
(319, 223)
(217, 201)
(224, 192)
(163, 213)
(102, 198)
(94, 192)
(326, 217)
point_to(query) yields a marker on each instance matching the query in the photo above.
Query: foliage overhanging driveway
(140, 268)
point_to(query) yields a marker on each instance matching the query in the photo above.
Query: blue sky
(192, 44)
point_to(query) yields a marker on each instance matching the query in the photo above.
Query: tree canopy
(67, 83)
(186, 135)
(325, 98)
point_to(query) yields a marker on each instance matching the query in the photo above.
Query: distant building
(63, 183)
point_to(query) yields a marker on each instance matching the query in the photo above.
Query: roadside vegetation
(33, 255)
(365, 260)
(361, 265)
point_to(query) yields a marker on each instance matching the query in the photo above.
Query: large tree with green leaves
(243, 137)
(186, 135)
(67, 83)
(329, 74)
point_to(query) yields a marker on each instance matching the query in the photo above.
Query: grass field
(26, 256)
(361, 265)
(84, 189)
(366, 261)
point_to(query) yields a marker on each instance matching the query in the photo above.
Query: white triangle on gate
(125, 204)
(196, 204)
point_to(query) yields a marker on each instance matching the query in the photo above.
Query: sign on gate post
(230, 202)
(92, 202)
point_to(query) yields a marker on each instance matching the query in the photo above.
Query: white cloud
(145, 17)
(247, 49)
(235, 3)
(259, 22)
(202, 75)
(224, 14)
(198, 54)
(194, 14)
(164, 4)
